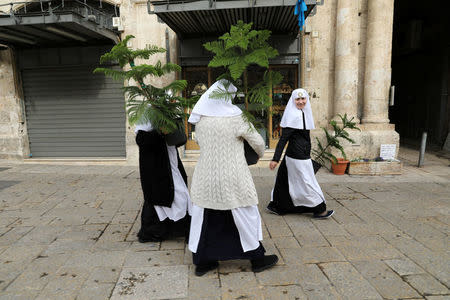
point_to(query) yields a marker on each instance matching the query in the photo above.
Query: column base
(367, 141)
(370, 120)
(339, 121)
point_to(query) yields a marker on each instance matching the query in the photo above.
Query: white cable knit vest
(222, 179)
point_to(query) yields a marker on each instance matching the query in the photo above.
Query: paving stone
(329, 227)
(285, 242)
(65, 284)
(19, 295)
(367, 248)
(276, 225)
(13, 235)
(344, 216)
(110, 246)
(234, 266)
(205, 287)
(280, 275)
(97, 259)
(387, 283)
(348, 196)
(132, 235)
(447, 297)
(426, 284)
(167, 282)
(21, 254)
(83, 232)
(177, 244)
(434, 262)
(37, 274)
(125, 217)
(348, 282)
(9, 272)
(154, 258)
(104, 275)
(284, 292)
(101, 217)
(150, 246)
(306, 255)
(404, 266)
(242, 285)
(96, 291)
(115, 232)
(315, 284)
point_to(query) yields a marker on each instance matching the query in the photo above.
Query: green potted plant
(236, 51)
(323, 154)
(161, 106)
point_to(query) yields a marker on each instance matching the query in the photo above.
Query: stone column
(346, 59)
(377, 78)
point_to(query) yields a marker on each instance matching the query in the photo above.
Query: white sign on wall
(387, 151)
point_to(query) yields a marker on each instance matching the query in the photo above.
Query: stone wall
(13, 137)
(136, 21)
(334, 72)
(147, 31)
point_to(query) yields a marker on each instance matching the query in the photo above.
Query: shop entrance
(201, 78)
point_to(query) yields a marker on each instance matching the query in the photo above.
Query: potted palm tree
(161, 106)
(236, 51)
(323, 154)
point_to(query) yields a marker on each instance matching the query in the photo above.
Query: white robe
(181, 200)
(303, 186)
(247, 220)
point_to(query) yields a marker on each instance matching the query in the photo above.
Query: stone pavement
(69, 232)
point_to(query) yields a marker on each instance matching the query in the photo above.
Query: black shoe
(264, 263)
(326, 216)
(202, 269)
(273, 210)
(149, 239)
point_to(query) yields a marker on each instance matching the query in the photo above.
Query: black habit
(158, 187)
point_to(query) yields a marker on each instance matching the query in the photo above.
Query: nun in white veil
(226, 223)
(296, 189)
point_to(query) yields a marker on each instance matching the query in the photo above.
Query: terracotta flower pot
(340, 167)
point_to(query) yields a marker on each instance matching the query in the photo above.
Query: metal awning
(56, 26)
(193, 18)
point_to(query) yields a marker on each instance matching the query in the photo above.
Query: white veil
(293, 117)
(213, 106)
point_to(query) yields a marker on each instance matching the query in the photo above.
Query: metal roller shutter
(72, 112)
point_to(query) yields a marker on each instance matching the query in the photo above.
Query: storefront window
(199, 77)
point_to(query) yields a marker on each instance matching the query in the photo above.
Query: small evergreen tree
(236, 51)
(162, 107)
(322, 154)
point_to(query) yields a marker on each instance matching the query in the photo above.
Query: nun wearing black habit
(296, 189)
(164, 185)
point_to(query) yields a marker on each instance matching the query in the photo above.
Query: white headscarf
(292, 116)
(215, 107)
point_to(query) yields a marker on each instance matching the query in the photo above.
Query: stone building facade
(345, 64)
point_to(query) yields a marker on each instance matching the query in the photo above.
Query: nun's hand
(273, 164)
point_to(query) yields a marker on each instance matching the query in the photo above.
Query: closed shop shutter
(72, 112)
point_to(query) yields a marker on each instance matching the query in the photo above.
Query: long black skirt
(157, 186)
(219, 239)
(154, 229)
(282, 201)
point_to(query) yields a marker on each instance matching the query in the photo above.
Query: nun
(296, 189)
(226, 223)
(164, 185)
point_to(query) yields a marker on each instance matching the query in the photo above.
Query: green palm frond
(146, 102)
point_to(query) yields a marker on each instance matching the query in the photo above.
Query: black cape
(154, 166)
